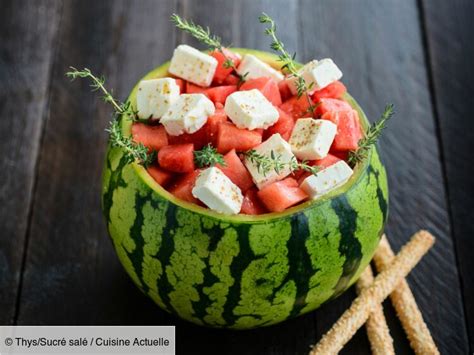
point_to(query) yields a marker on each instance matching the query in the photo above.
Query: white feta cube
(188, 114)
(250, 110)
(155, 96)
(218, 192)
(319, 74)
(281, 150)
(311, 139)
(327, 179)
(255, 68)
(192, 65)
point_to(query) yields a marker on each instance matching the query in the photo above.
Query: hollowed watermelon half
(241, 271)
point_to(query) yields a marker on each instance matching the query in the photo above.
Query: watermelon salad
(250, 119)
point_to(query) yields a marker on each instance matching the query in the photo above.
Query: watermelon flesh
(212, 125)
(331, 105)
(183, 187)
(284, 126)
(267, 86)
(152, 137)
(199, 138)
(280, 195)
(236, 171)
(334, 90)
(252, 204)
(219, 94)
(222, 72)
(161, 176)
(232, 80)
(178, 158)
(176, 153)
(348, 129)
(297, 107)
(285, 91)
(230, 137)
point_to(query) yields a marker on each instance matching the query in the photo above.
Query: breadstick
(405, 305)
(381, 342)
(357, 314)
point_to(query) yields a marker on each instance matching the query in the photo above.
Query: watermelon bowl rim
(272, 59)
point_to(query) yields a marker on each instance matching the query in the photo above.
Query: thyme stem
(133, 151)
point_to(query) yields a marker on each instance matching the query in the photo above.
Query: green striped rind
(242, 271)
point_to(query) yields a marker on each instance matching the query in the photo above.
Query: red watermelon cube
(182, 188)
(331, 105)
(218, 94)
(280, 195)
(230, 137)
(334, 90)
(222, 72)
(236, 171)
(297, 107)
(252, 204)
(178, 158)
(284, 126)
(267, 86)
(348, 129)
(152, 137)
(161, 176)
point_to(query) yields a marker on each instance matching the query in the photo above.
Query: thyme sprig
(267, 163)
(371, 136)
(133, 151)
(288, 61)
(208, 156)
(205, 36)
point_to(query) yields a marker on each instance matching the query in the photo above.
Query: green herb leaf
(371, 136)
(133, 151)
(265, 163)
(208, 156)
(200, 33)
(288, 60)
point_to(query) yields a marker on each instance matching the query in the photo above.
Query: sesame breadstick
(357, 314)
(405, 305)
(381, 342)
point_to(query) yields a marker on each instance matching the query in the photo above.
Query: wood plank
(449, 28)
(72, 273)
(379, 47)
(28, 32)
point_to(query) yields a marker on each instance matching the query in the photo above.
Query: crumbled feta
(218, 192)
(155, 96)
(319, 74)
(192, 65)
(281, 151)
(255, 68)
(327, 179)
(188, 114)
(250, 110)
(311, 139)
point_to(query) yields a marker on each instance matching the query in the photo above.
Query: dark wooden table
(57, 265)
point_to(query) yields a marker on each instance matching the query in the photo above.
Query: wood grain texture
(379, 47)
(28, 44)
(449, 30)
(72, 274)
